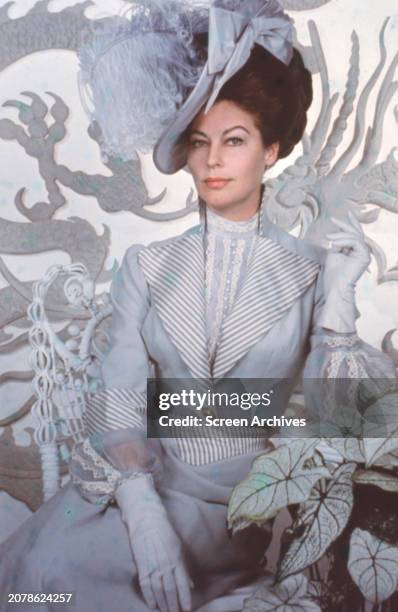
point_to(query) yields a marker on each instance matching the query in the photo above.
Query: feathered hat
(145, 76)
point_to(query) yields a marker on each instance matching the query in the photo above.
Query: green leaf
(319, 521)
(389, 460)
(382, 415)
(350, 448)
(276, 480)
(290, 595)
(316, 589)
(384, 481)
(373, 565)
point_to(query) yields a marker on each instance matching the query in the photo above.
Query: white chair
(65, 365)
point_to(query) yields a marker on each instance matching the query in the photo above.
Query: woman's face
(226, 144)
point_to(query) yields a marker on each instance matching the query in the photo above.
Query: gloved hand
(345, 263)
(156, 548)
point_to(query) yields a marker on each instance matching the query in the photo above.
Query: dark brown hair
(278, 96)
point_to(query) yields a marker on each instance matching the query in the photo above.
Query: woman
(142, 524)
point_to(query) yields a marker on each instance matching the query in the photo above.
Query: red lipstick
(216, 182)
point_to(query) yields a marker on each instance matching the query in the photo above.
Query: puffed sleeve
(116, 447)
(337, 352)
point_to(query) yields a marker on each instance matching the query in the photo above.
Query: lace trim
(107, 489)
(210, 258)
(336, 359)
(236, 271)
(338, 341)
(91, 486)
(216, 224)
(111, 473)
(100, 468)
(217, 321)
(87, 465)
(355, 369)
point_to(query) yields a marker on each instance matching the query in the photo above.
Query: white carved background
(90, 221)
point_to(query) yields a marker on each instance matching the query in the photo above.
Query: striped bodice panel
(229, 246)
(113, 409)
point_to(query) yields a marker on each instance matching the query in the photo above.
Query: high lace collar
(218, 225)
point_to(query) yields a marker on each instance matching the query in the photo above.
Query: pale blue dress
(77, 540)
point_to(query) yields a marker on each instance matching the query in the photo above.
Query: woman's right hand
(156, 548)
(158, 554)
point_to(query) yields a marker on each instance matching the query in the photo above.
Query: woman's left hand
(347, 259)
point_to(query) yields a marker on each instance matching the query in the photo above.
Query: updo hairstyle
(276, 95)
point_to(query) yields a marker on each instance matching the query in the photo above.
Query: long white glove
(156, 548)
(346, 262)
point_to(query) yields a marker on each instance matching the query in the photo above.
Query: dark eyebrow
(225, 131)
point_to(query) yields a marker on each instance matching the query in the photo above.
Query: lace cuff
(105, 479)
(104, 461)
(336, 370)
(122, 452)
(335, 355)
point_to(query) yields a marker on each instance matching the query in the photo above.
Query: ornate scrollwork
(305, 194)
(65, 371)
